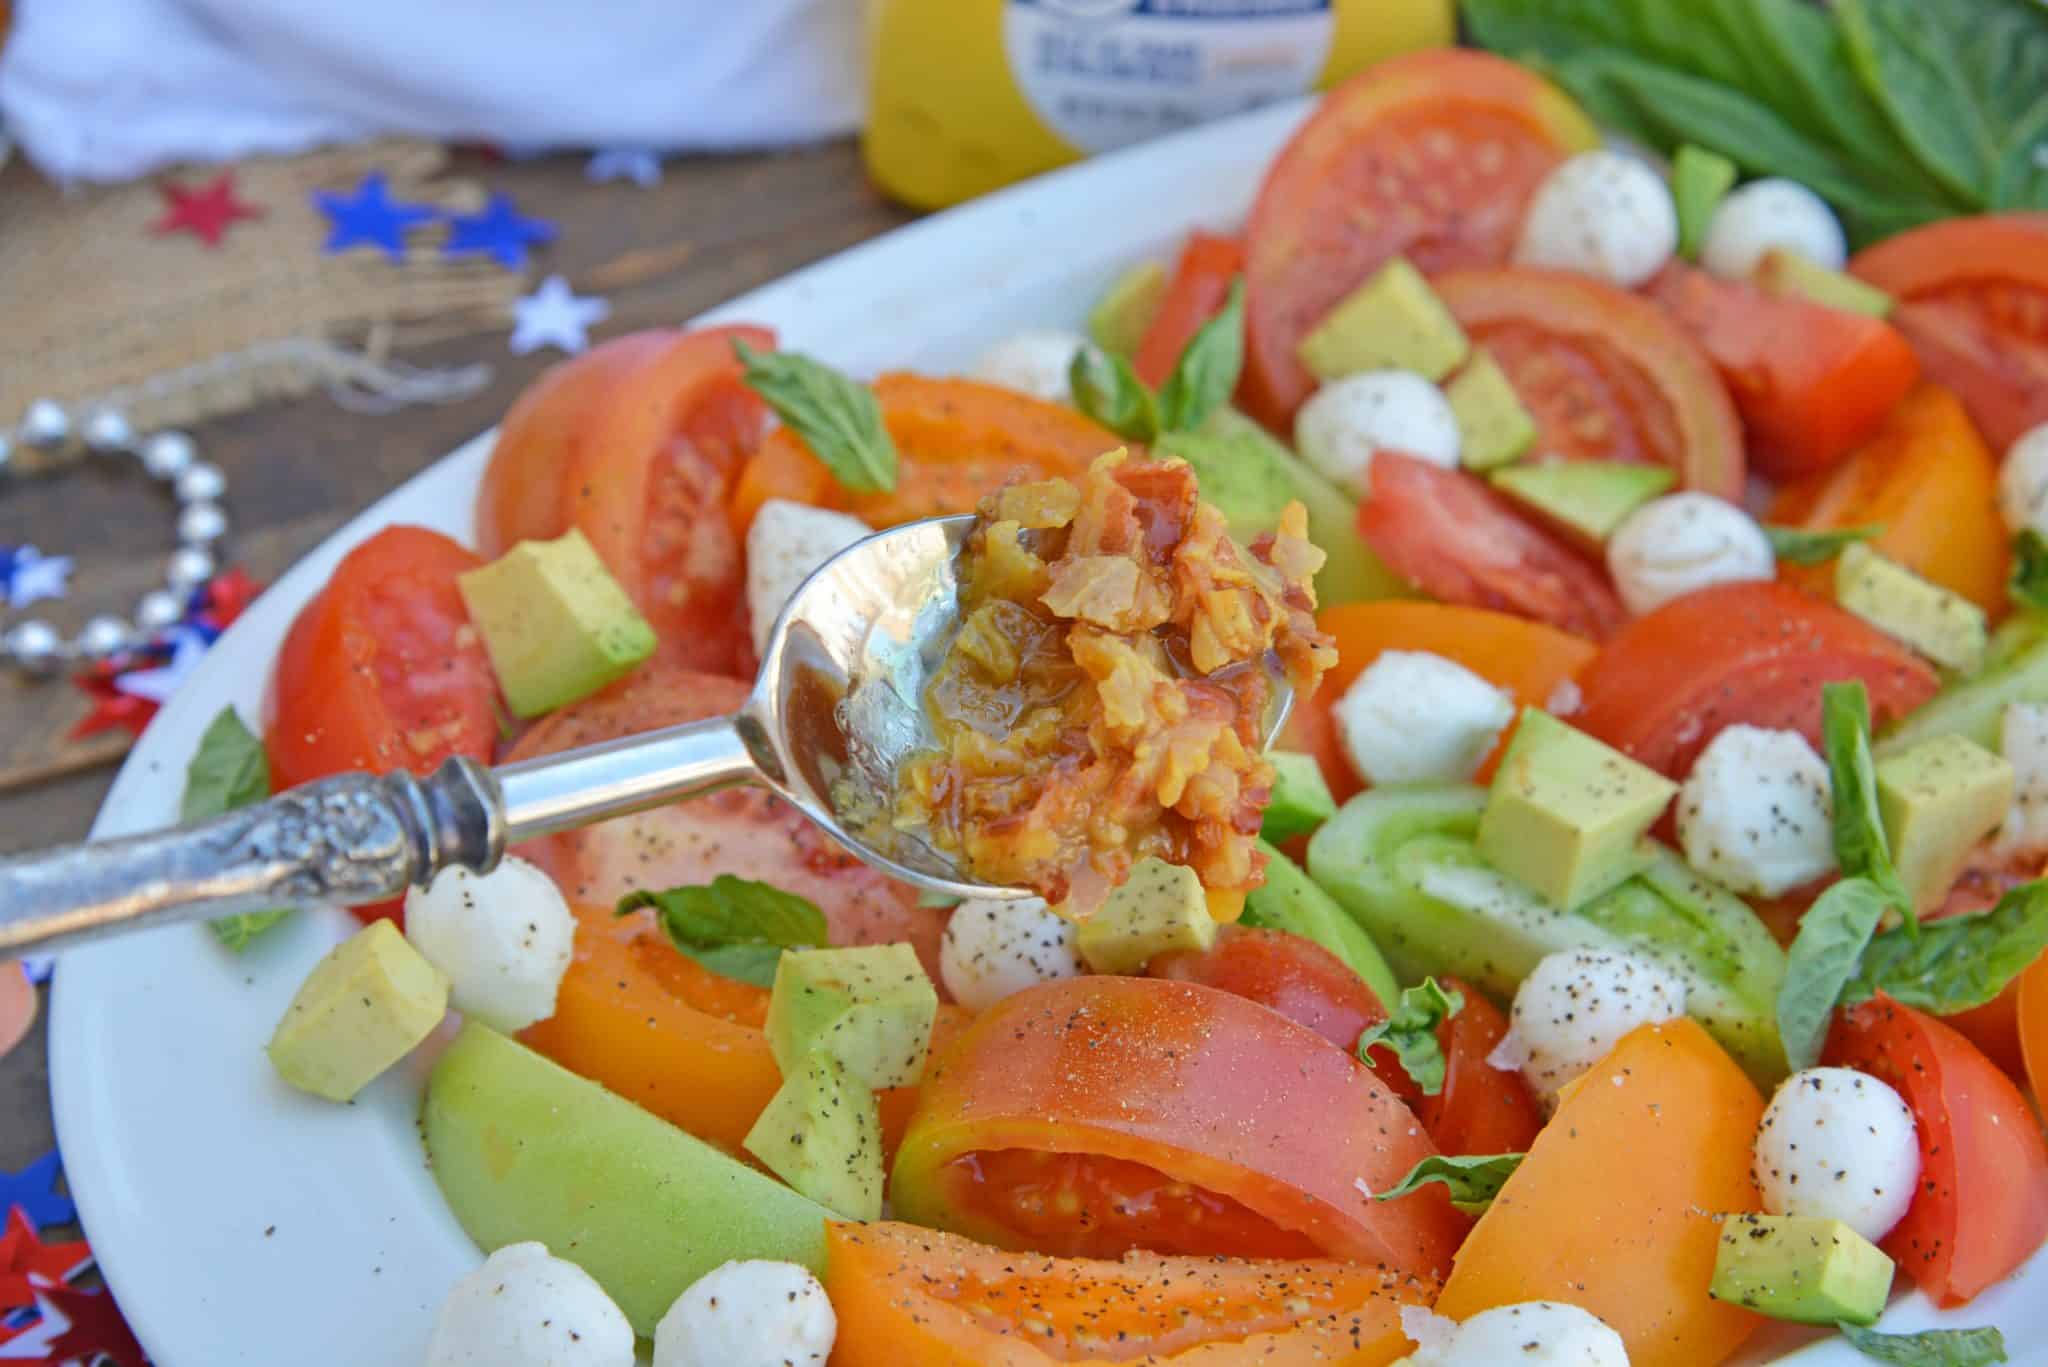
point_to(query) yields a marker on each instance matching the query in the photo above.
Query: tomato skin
(1747, 652)
(2030, 1005)
(1459, 542)
(1296, 977)
(1195, 294)
(1481, 1109)
(1811, 382)
(1202, 1086)
(1432, 156)
(1982, 1205)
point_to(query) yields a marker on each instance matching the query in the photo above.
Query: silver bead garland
(170, 458)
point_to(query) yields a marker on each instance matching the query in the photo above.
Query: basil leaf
(2029, 583)
(1473, 1179)
(1411, 1033)
(2022, 180)
(1861, 847)
(1823, 958)
(1206, 373)
(1929, 1348)
(1960, 962)
(1796, 546)
(733, 926)
(838, 419)
(229, 770)
(1109, 391)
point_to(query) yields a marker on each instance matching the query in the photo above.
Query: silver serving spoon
(836, 707)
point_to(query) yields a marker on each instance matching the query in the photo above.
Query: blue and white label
(1104, 73)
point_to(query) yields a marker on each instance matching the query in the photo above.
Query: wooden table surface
(713, 228)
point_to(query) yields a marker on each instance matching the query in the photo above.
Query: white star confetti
(36, 576)
(554, 316)
(33, 1344)
(159, 683)
(636, 164)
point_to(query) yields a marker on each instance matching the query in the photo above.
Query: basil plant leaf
(229, 770)
(1861, 846)
(1411, 1033)
(1796, 546)
(1109, 391)
(1825, 955)
(1472, 1179)
(1206, 373)
(1930, 1347)
(1961, 962)
(733, 926)
(838, 418)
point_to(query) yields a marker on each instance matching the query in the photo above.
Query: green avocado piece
(1292, 902)
(1120, 317)
(1494, 425)
(367, 1004)
(555, 623)
(1587, 498)
(1301, 797)
(1975, 708)
(1394, 321)
(525, 1149)
(1700, 180)
(1251, 492)
(869, 1006)
(1946, 627)
(822, 1134)
(1405, 862)
(1938, 798)
(1787, 272)
(1161, 907)
(1800, 1268)
(1567, 813)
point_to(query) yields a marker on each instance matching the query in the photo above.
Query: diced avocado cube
(1588, 498)
(1250, 492)
(1301, 796)
(1567, 813)
(1787, 272)
(1160, 907)
(1938, 798)
(364, 1007)
(1289, 901)
(1394, 321)
(1946, 627)
(1494, 426)
(1700, 180)
(555, 623)
(870, 1006)
(1118, 321)
(1800, 1268)
(822, 1134)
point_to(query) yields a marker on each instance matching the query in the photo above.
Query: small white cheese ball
(1840, 1145)
(748, 1314)
(1531, 1334)
(785, 544)
(2024, 743)
(1347, 421)
(1576, 1005)
(1412, 717)
(527, 1308)
(1604, 214)
(1036, 361)
(992, 949)
(1766, 215)
(504, 939)
(2023, 482)
(1756, 812)
(1676, 544)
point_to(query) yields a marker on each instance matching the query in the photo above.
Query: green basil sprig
(733, 926)
(1929, 1348)
(1861, 846)
(1473, 1179)
(1410, 1031)
(839, 419)
(1796, 546)
(1959, 963)
(1109, 391)
(1824, 957)
(229, 770)
(2029, 583)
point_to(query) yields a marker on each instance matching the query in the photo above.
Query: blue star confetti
(34, 1189)
(158, 682)
(369, 217)
(499, 232)
(636, 164)
(39, 969)
(28, 576)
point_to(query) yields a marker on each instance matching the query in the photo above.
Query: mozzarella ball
(1840, 1145)
(527, 1308)
(1765, 215)
(1531, 1334)
(748, 1314)
(1576, 1005)
(503, 938)
(2024, 743)
(1676, 544)
(1346, 421)
(992, 949)
(1756, 813)
(787, 542)
(1604, 214)
(1035, 361)
(2023, 482)
(1411, 716)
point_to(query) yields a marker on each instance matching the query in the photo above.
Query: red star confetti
(112, 710)
(23, 1255)
(228, 595)
(75, 1327)
(206, 212)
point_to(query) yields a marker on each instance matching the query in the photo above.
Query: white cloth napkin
(112, 89)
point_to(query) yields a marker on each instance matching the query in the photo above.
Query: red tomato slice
(1432, 156)
(1607, 374)
(1458, 541)
(1296, 977)
(1811, 382)
(1982, 1207)
(746, 832)
(1755, 653)
(1200, 285)
(1219, 1108)
(1973, 301)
